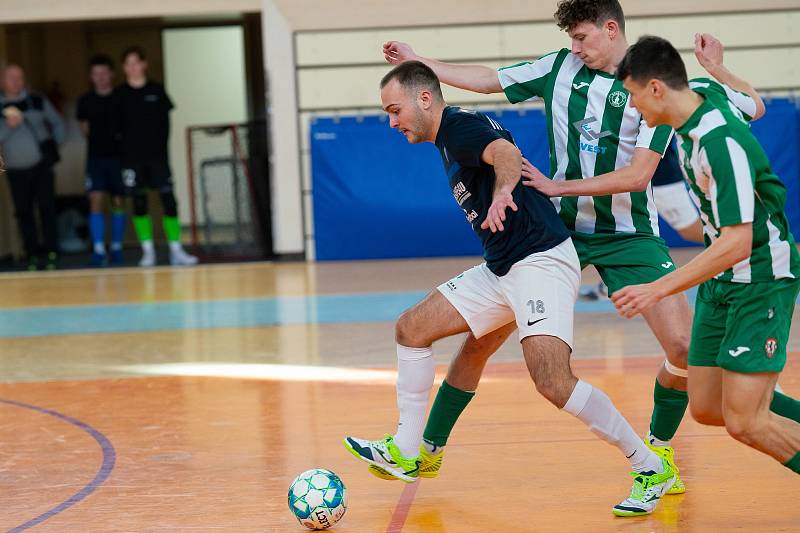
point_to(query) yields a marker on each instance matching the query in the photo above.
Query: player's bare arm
(631, 178)
(507, 162)
(709, 53)
(476, 78)
(733, 245)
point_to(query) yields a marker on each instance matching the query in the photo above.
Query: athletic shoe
(648, 488)
(667, 453)
(593, 292)
(52, 261)
(33, 263)
(148, 258)
(116, 257)
(385, 454)
(429, 465)
(98, 260)
(179, 257)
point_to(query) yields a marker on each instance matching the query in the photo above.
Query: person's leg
(432, 319)
(22, 193)
(671, 322)
(547, 359)
(162, 180)
(143, 225)
(746, 402)
(461, 382)
(118, 192)
(635, 259)
(96, 188)
(46, 200)
(705, 393)
(97, 227)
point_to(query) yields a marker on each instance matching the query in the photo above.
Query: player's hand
(497, 211)
(532, 177)
(708, 50)
(396, 52)
(634, 299)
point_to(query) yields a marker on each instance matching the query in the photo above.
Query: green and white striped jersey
(592, 129)
(732, 181)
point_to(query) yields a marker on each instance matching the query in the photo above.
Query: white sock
(148, 247)
(595, 409)
(175, 246)
(116, 246)
(415, 372)
(658, 443)
(100, 248)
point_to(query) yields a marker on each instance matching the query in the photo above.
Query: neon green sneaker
(384, 454)
(668, 453)
(648, 488)
(429, 464)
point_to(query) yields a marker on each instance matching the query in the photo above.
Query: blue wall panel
(376, 196)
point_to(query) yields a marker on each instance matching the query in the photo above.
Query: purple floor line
(109, 458)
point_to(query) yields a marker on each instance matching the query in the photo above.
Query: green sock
(446, 409)
(172, 229)
(785, 406)
(793, 464)
(668, 410)
(144, 227)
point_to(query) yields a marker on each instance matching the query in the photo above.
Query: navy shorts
(104, 175)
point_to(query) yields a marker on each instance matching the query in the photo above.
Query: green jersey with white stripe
(592, 129)
(732, 180)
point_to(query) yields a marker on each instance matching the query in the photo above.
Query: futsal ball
(317, 498)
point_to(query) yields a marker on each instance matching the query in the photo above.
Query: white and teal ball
(318, 498)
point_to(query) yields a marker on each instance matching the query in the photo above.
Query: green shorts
(743, 327)
(624, 258)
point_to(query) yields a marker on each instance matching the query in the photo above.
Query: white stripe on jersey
(709, 121)
(560, 116)
(631, 129)
(743, 102)
(744, 180)
(596, 106)
(530, 71)
(711, 196)
(780, 252)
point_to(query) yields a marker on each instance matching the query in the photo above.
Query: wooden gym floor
(139, 400)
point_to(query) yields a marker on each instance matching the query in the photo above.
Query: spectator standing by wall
(142, 110)
(30, 130)
(103, 164)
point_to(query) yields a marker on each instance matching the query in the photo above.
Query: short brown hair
(415, 75)
(570, 13)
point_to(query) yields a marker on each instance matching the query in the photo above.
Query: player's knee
(706, 414)
(678, 350)
(169, 204)
(406, 333)
(140, 204)
(556, 389)
(744, 428)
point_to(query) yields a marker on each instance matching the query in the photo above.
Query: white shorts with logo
(675, 205)
(539, 292)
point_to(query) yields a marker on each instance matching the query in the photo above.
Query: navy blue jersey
(535, 227)
(668, 170)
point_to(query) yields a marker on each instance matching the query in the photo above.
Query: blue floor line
(163, 316)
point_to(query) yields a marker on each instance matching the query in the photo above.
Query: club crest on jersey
(617, 98)
(770, 347)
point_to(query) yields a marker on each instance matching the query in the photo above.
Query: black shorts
(147, 175)
(104, 174)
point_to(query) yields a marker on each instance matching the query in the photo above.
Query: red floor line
(402, 508)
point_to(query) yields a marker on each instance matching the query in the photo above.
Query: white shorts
(675, 205)
(539, 292)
